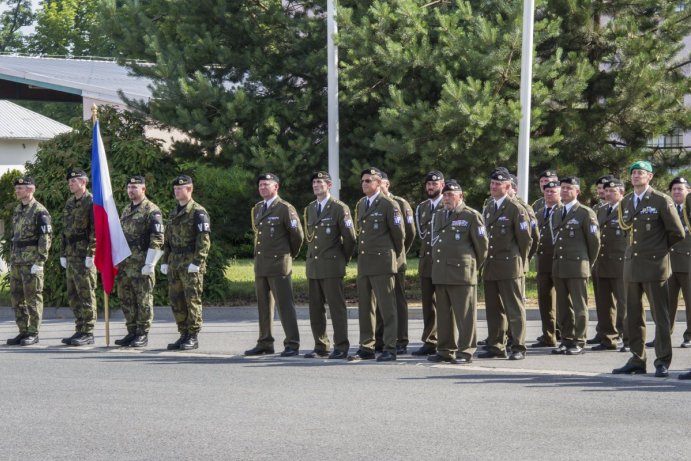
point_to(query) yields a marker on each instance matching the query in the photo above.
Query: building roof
(92, 79)
(17, 122)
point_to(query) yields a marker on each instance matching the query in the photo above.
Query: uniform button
(560, 238)
(491, 246)
(635, 230)
(443, 231)
(561, 257)
(438, 251)
(635, 254)
(259, 252)
(316, 257)
(635, 242)
(260, 232)
(635, 219)
(316, 247)
(362, 253)
(561, 248)
(362, 241)
(437, 260)
(427, 253)
(491, 257)
(316, 236)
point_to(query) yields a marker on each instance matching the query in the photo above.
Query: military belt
(77, 238)
(25, 243)
(181, 250)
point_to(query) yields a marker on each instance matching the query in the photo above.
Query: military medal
(328, 230)
(572, 233)
(647, 226)
(618, 232)
(458, 236)
(375, 226)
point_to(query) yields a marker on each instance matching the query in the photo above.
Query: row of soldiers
(624, 244)
(182, 246)
(459, 245)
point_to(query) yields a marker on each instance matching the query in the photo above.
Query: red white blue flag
(111, 244)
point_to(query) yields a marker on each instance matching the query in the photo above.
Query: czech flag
(111, 244)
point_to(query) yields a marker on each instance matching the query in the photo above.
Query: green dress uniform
(679, 281)
(380, 243)
(330, 237)
(610, 294)
(187, 241)
(654, 227)
(575, 251)
(423, 217)
(278, 237)
(459, 249)
(508, 229)
(399, 287)
(546, 298)
(78, 243)
(142, 225)
(538, 204)
(31, 238)
(534, 233)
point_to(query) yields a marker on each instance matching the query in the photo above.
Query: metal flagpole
(332, 79)
(94, 117)
(526, 90)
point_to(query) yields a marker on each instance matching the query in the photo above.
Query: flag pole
(94, 117)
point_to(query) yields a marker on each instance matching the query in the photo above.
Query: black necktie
(494, 207)
(448, 213)
(264, 207)
(431, 207)
(319, 209)
(366, 204)
(679, 211)
(636, 201)
(548, 210)
(609, 209)
(563, 213)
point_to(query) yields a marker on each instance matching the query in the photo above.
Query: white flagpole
(526, 91)
(332, 79)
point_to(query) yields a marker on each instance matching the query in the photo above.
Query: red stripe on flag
(103, 259)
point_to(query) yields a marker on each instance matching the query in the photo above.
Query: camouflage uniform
(142, 225)
(31, 231)
(78, 243)
(187, 241)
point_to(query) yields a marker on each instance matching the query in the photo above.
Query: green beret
(76, 174)
(641, 165)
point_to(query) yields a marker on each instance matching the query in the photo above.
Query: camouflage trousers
(26, 291)
(81, 294)
(136, 294)
(185, 294)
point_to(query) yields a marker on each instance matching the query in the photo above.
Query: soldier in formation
(142, 224)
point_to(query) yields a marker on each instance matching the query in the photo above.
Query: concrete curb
(249, 313)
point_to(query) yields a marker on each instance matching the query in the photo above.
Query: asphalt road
(110, 403)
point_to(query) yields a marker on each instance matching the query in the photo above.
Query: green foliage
(15, 15)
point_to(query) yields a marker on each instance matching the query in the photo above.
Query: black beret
(679, 180)
(573, 180)
(384, 176)
(548, 174)
(500, 175)
(76, 174)
(604, 179)
(451, 185)
(434, 176)
(514, 179)
(24, 181)
(136, 179)
(374, 171)
(551, 185)
(614, 182)
(182, 180)
(321, 175)
(268, 177)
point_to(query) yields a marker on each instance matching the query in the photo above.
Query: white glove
(191, 269)
(148, 269)
(63, 262)
(164, 269)
(152, 257)
(35, 269)
(89, 262)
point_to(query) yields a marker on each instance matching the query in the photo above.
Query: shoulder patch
(43, 225)
(156, 224)
(202, 222)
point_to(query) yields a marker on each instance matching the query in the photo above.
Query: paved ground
(111, 403)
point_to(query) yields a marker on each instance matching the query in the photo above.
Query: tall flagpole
(94, 117)
(332, 79)
(526, 91)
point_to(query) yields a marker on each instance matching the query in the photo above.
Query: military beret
(548, 174)
(384, 176)
(641, 165)
(679, 180)
(604, 179)
(136, 179)
(573, 180)
(76, 174)
(268, 177)
(614, 182)
(321, 175)
(434, 176)
(451, 186)
(24, 181)
(514, 179)
(500, 175)
(374, 171)
(551, 185)
(501, 169)
(182, 180)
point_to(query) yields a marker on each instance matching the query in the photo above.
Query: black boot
(140, 340)
(29, 339)
(16, 340)
(125, 341)
(176, 345)
(68, 341)
(83, 339)
(189, 343)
